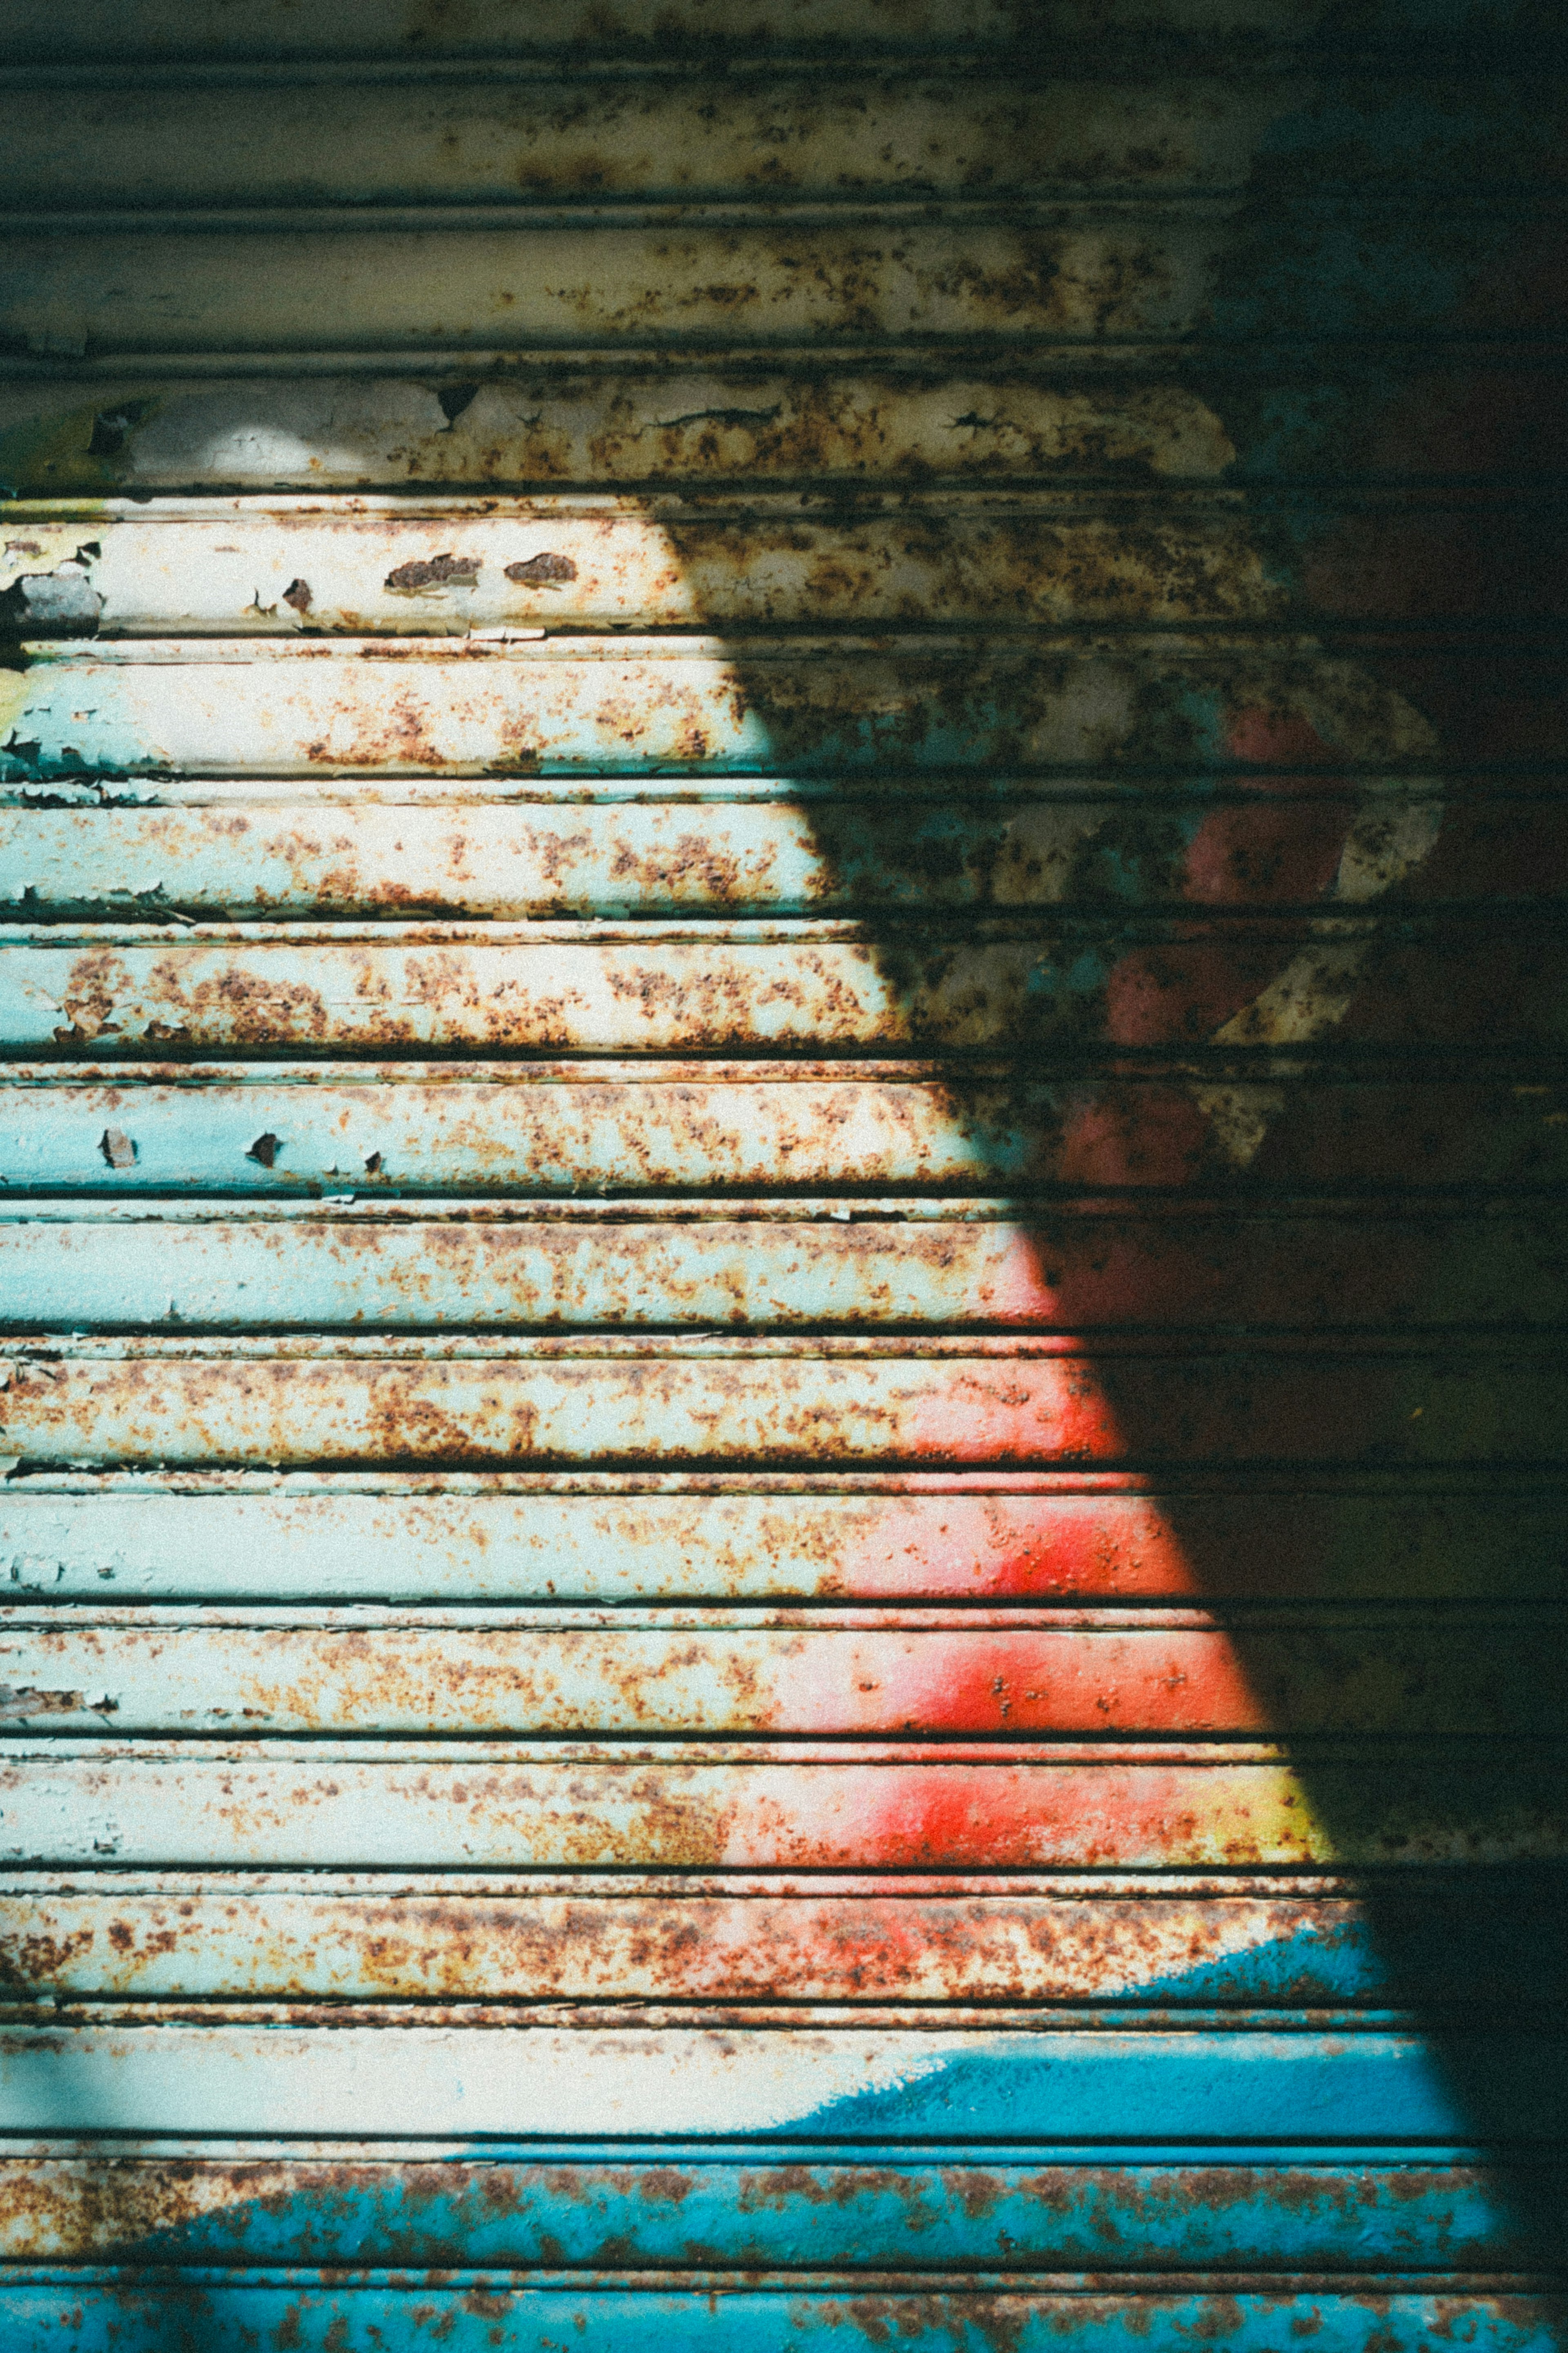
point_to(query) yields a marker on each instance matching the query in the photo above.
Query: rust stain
(25, 1701)
(447, 571)
(545, 571)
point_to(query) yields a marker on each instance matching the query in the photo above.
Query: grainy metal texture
(960, 559)
(96, 2204)
(174, 2312)
(424, 1805)
(800, 2080)
(830, 854)
(807, 1264)
(1255, 982)
(1229, 705)
(957, 129)
(985, 1676)
(781, 1164)
(1137, 420)
(610, 425)
(520, 1403)
(750, 1536)
(865, 1941)
(641, 28)
(1280, 1122)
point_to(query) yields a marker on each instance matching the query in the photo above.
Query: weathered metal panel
(1237, 413)
(1245, 981)
(1269, 1124)
(613, 424)
(689, 277)
(1285, 1945)
(180, 2312)
(359, 29)
(1232, 706)
(548, 1403)
(503, 137)
(869, 1675)
(1105, 270)
(791, 1674)
(975, 558)
(423, 1805)
(755, 1536)
(1017, 2082)
(830, 855)
(568, 2210)
(288, 1266)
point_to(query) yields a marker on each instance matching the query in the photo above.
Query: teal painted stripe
(660, 2208)
(153, 2313)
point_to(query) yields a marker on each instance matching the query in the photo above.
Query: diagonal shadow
(1473, 658)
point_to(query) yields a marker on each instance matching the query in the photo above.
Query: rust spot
(544, 570)
(116, 1148)
(25, 1700)
(435, 572)
(264, 1150)
(297, 593)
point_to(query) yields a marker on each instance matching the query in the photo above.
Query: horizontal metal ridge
(1359, 1131)
(802, 1808)
(21, 2018)
(1058, 1216)
(1309, 1890)
(960, 564)
(39, 1356)
(1326, 919)
(506, 134)
(1011, 648)
(1446, 2298)
(156, 29)
(1455, 1270)
(1044, 359)
(1528, 199)
(358, 513)
(1390, 1621)
(855, 2085)
(680, 1674)
(1527, 786)
(104, 1761)
(1414, 1480)
(742, 69)
(91, 2151)
(1420, 1538)
(1527, 1074)
(1412, 978)
(573, 1949)
(780, 859)
(1093, 275)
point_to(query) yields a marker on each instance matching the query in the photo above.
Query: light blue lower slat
(660, 2208)
(146, 2313)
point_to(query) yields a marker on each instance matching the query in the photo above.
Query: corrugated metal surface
(782, 1137)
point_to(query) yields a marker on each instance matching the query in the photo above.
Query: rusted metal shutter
(783, 1144)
